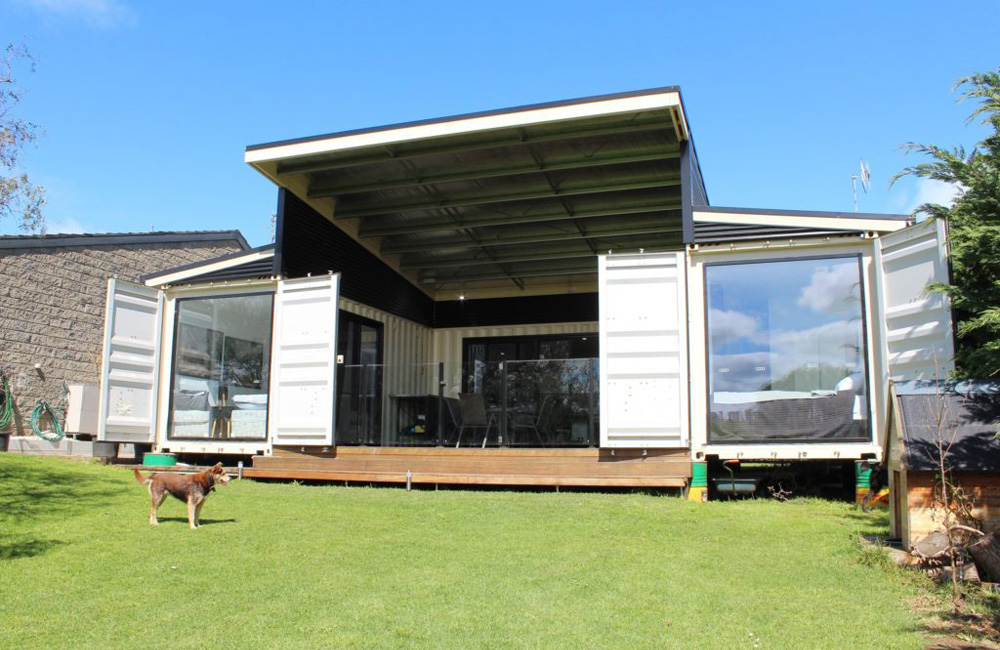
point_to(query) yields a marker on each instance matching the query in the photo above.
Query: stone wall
(52, 311)
(983, 489)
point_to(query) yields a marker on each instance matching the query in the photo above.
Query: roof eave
(661, 98)
(181, 273)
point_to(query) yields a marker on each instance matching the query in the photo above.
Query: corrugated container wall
(406, 348)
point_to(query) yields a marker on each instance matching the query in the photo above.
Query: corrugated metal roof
(120, 238)
(251, 266)
(717, 233)
(262, 268)
(512, 201)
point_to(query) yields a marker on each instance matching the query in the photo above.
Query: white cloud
(743, 372)
(832, 290)
(68, 226)
(729, 326)
(830, 343)
(932, 191)
(833, 344)
(101, 14)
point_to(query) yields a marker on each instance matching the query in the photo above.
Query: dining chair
(473, 412)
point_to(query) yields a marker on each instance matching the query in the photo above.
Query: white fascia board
(682, 126)
(468, 125)
(801, 221)
(209, 267)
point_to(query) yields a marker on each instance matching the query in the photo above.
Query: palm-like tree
(973, 227)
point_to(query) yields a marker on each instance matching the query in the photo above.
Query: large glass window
(222, 355)
(786, 351)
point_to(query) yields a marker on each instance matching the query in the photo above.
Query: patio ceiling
(522, 196)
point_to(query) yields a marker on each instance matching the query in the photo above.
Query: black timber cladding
(306, 242)
(687, 199)
(560, 308)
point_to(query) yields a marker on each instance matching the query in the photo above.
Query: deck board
(469, 466)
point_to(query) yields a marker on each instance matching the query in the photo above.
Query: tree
(19, 197)
(973, 229)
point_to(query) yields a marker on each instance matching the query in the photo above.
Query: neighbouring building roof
(121, 238)
(964, 417)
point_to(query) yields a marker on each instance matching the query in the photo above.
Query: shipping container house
(534, 296)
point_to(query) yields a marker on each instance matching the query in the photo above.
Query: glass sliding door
(359, 380)
(539, 391)
(786, 351)
(221, 367)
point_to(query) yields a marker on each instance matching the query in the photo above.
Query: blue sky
(147, 107)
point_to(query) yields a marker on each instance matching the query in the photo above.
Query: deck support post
(698, 491)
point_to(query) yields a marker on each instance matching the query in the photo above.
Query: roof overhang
(520, 196)
(194, 272)
(847, 221)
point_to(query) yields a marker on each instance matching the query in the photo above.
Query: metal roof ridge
(119, 238)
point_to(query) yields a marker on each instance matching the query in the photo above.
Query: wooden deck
(447, 466)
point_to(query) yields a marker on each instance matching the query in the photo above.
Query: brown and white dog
(192, 489)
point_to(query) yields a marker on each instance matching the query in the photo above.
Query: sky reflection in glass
(786, 325)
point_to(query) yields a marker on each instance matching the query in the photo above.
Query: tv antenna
(865, 176)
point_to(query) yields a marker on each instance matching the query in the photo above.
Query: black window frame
(467, 342)
(173, 362)
(345, 317)
(859, 258)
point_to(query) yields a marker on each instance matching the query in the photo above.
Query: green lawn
(290, 566)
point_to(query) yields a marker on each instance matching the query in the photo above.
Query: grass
(292, 566)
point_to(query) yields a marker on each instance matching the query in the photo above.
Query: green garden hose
(6, 405)
(56, 434)
(51, 436)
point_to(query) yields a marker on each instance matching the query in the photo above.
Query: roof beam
(510, 139)
(430, 224)
(516, 237)
(318, 188)
(415, 262)
(524, 272)
(547, 193)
